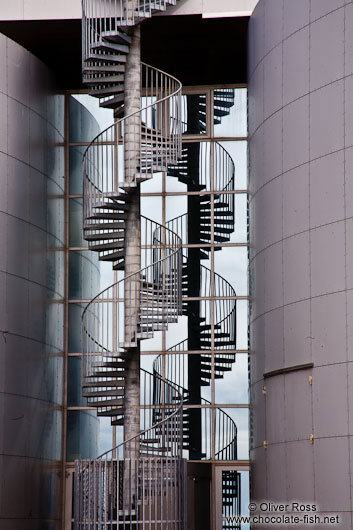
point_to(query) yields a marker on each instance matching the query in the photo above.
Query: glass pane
(56, 157)
(231, 496)
(176, 333)
(176, 215)
(82, 434)
(232, 264)
(105, 437)
(152, 345)
(74, 339)
(233, 387)
(74, 391)
(153, 185)
(238, 152)
(56, 112)
(194, 114)
(55, 267)
(245, 495)
(240, 233)
(83, 126)
(151, 207)
(173, 184)
(241, 419)
(76, 186)
(76, 230)
(84, 274)
(147, 362)
(242, 324)
(103, 117)
(230, 112)
(55, 211)
(176, 206)
(54, 331)
(206, 392)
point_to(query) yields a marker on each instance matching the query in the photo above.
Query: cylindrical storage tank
(32, 292)
(301, 257)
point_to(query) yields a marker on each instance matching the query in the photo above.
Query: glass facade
(204, 199)
(87, 435)
(209, 212)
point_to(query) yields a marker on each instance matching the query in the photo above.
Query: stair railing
(159, 294)
(106, 159)
(226, 436)
(104, 17)
(119, 491)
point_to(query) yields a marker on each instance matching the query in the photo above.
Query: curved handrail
(155, 425)
(157, 147)
(227, 438)
(108, 15)
(226, 323)
(146, 107)
(115, 487)
(159, 283)
(225, 427)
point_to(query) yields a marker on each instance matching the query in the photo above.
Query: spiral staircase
(193, 173)
(140, 482)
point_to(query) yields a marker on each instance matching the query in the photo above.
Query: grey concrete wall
(31, 292)
(301, 269)
(47, 9)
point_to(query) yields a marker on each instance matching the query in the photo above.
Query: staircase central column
(132, 135)
(194, 284)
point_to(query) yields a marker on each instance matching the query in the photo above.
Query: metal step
(217, 344)
(106, 91)
(219, 225)
(117, 226)
(112, 205)
(112, 256)
(217, 359)
(107, 393)
(107, 46)
(119, 421)
(226, 213)
(144, 335)
(115, 383)
(112, 102)
(100, 247)
(207, 375)
(109, 364)
(100, 69)
(105, 58)
(109, 402)
(112, 412)
(127, 345)
(206, 237)
(106, 80)
(119, 266)
(155, 327)
(105, 235)
(220, 112)
(100, 215)
(216, 367)
(115, 36)
(223, 103)
(111, 373)
(217, 205)
(218, 334)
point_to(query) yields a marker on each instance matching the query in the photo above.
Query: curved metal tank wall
(31, 292)
(301, 262)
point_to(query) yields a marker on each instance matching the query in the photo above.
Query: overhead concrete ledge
(71, 9)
